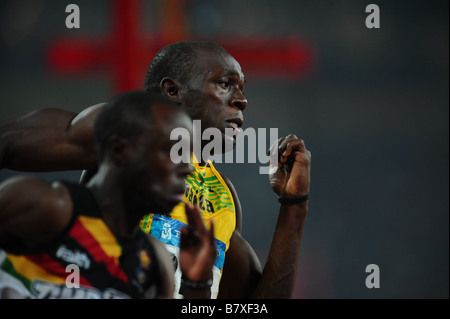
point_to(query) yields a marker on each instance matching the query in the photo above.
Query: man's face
(155, 175)
(214, 93)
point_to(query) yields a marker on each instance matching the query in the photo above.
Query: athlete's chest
(208, 190)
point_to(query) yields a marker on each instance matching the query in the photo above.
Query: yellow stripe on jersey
(103, 235)
(206, 188)
(31, 270)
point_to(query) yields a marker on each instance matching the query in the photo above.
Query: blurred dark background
(371, 104)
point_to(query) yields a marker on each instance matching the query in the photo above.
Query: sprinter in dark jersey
(64, 240)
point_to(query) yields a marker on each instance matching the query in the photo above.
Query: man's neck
(110, 199)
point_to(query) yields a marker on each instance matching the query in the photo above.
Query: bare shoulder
(90, 113)
(82, 124)
(33, 210)
(25, 187)
(30, 187)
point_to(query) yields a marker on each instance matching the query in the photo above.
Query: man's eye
(224, 84)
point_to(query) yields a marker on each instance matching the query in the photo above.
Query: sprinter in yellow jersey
(209, 83)
(205, 80)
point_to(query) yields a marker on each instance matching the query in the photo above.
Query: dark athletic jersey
(86, 261)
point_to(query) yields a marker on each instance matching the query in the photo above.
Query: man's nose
(239, 101)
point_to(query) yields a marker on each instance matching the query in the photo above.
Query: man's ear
(119, 150)
(171, 89)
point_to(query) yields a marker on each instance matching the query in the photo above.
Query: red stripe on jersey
(52, 266)
(87, 240)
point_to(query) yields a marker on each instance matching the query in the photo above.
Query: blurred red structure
(126, 52)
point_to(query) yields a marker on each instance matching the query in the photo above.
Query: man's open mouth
(235, 123)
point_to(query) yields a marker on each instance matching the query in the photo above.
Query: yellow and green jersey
(206, 188)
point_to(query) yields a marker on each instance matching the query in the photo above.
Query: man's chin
(165, 207)
(228, 143)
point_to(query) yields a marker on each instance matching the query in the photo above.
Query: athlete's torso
(109, 267)
(206, 188)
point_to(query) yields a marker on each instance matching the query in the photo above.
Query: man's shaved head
(176, 61)
(126, 115)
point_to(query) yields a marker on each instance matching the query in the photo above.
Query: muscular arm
(32, 212)
(242, 270)
(280, 271)
(49, 140)
(242, 276)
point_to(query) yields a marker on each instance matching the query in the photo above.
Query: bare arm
(32, 212)
(49, 140)
(280, 272)
(242, 277)
(242, 270)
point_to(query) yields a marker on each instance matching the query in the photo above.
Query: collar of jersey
(196, 164)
